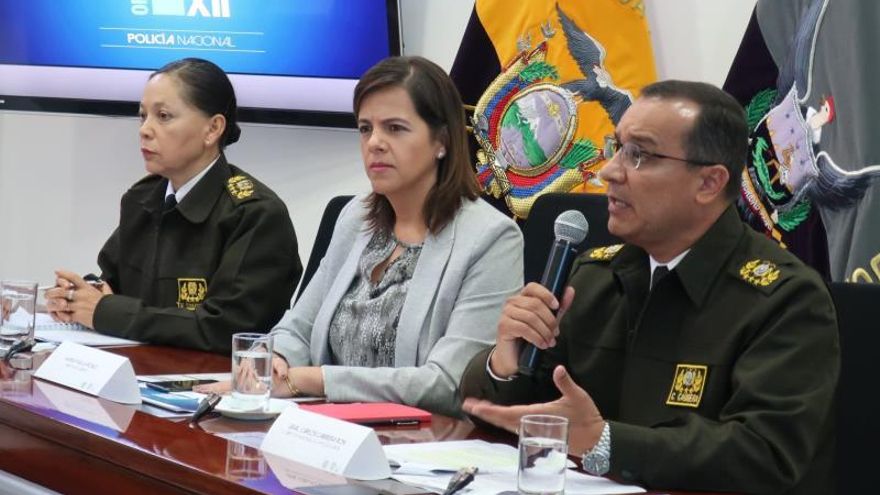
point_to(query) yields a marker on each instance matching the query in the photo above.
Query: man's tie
(170, 202)
(659, 273)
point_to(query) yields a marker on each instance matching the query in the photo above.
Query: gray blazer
(463, 277)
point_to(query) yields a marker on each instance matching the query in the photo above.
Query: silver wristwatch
(597, 461)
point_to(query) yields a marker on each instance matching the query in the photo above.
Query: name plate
(326, 443)
(92, 371)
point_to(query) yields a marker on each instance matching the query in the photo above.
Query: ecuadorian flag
(549, 79)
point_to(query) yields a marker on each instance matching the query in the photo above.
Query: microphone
(570, 229)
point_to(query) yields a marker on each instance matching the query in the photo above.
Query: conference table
(73, 443)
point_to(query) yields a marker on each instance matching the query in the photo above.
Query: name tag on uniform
(191, 292)
(687, 385)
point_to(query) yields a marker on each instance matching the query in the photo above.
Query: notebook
(49, 330)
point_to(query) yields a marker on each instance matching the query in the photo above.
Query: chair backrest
(322, 239)
(857, 403)
(538, 228)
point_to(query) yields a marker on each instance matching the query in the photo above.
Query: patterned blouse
(364, 328)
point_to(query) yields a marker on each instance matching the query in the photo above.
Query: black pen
(205, 406)
(392, 422)
(93, 280)
(461, 479)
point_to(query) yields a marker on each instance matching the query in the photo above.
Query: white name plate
(322, 442)
(93, 371)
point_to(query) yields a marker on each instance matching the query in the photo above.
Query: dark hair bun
(233, 132)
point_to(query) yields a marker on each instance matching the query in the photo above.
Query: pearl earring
(441, 154)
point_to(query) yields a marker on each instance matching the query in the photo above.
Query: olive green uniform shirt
(719, 379)
(224, 260)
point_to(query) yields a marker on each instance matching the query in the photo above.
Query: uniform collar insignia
(759, 273)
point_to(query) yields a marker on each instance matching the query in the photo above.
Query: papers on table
(84, 336)
(452, 456)
(431, 465)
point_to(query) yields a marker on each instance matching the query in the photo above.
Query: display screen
(282, 55)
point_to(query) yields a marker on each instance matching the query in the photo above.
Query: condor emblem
(687, 385)
(191, 292)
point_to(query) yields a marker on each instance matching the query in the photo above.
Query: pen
(205, 406)
(391, 422)
(461, 479)
(90, 278)
(93, 280)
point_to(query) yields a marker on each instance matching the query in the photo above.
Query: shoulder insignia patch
(605, 253)
(240, 187)
(760, 273)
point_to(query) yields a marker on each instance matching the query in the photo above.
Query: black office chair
(857, 404)
(322, 239)
(538, 228)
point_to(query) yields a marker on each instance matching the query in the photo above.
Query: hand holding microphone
(531, 315)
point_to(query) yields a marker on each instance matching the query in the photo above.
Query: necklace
(405, 245)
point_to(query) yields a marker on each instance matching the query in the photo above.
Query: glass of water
(251, 371)
(543, 454)
(18, 307)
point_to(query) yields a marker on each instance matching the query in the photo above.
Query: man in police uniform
(717, 375)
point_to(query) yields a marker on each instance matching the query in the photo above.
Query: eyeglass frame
(611, 142)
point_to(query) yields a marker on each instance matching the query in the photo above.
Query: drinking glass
(543, 454)
(251, 371)
(18, 310)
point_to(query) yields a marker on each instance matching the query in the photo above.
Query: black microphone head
(571, 226)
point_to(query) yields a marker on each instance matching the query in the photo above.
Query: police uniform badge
(191, 292)
(687, 385)
(759, 273)
(240, 187)
(605, 253)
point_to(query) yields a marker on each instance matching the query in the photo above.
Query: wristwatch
(597, 461)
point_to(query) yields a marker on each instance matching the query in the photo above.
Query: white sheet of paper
(92, 371)
(576, 483)
(327, 443)
(451, 456)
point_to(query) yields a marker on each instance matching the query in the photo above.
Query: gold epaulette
(604, 253)
(760, 273)
(241, 188)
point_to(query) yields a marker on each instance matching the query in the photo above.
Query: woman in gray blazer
(416, 273)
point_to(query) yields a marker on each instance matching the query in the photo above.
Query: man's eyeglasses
(632, 155)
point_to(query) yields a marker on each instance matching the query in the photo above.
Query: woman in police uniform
(202, 250)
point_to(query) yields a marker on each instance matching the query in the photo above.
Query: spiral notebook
(49, 330)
